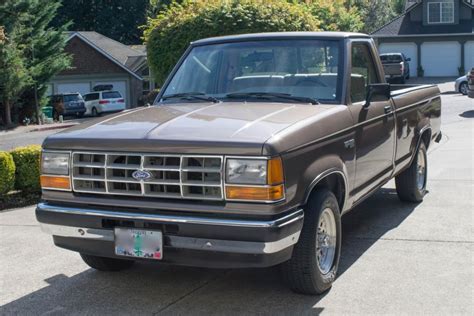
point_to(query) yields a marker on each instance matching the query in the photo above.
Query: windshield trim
(340, 44)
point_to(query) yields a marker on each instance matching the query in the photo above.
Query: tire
(411, 183)
(106, 264)
(94, 112)
(463, 88)
(302, 272)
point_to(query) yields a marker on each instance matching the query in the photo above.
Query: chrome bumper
(181, 242)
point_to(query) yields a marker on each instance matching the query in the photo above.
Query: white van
(103, 101)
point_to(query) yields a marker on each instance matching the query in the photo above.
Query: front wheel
(411, 183)
(463, 88)
(106, 264)
(313, 266)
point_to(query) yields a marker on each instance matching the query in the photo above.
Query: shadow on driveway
(467, 114)
(153, 289)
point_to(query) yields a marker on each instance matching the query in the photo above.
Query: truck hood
(224, 128)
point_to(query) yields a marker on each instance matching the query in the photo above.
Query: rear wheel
(94, 112)
(106, 264)
(313, 266)
(411, 183)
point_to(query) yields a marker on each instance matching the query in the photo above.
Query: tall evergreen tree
(117, 19)
(31, 45)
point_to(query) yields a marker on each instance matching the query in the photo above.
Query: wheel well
(426, 137)
(335, 183)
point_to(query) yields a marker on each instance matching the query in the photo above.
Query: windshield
(391, 58)
(300, 68)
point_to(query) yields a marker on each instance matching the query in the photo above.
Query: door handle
(387, 109)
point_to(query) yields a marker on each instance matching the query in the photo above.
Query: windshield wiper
(266, 95)
(190, 95)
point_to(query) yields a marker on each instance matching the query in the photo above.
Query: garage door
(469, 55)
(81, 87)
(408, 49)
(120, 86)
(441, 58)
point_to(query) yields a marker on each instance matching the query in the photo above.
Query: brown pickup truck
(254, 149)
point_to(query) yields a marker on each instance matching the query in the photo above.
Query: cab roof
(278, 35)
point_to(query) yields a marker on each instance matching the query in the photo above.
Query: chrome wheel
(326, 241)
(463, 88)
(421, 170)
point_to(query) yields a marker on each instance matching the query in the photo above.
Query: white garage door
(81, 87)
(408, 49)
(441, 58)
(469, 55)
(120, 86)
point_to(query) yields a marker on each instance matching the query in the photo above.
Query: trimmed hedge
(27, 163)
(7, 172)
(169, 34)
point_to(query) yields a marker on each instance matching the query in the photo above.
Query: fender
(320, 177)
(418, 142)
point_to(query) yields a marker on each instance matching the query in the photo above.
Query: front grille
(167, 176)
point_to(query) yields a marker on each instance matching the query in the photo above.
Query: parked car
(470, 82)
(67, 104)
(460, 85)
(396, 66)
(104, 101)
(256, 146)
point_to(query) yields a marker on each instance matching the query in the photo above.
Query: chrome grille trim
(197, 177)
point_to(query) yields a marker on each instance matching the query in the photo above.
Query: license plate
(138, 243)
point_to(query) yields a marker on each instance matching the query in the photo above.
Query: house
(98, 60)
(438, 36)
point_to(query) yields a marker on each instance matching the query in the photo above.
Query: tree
(168, 35)
(335, 15)
(117, 19)
(14, 77)
(33, 52)
(375, 13)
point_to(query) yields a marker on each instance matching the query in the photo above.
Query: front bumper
(188, 240)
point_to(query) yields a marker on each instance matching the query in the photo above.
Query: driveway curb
(47, 128)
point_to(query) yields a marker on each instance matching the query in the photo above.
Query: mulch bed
(16, 199)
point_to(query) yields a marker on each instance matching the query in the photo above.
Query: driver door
(374, 124)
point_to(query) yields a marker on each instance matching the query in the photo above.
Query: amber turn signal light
(55, 182)
(271, 193)
(274, 171)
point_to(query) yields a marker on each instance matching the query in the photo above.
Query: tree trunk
(7, 112)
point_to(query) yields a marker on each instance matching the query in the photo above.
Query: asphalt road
(396, 258)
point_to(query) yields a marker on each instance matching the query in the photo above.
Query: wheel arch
(335, 180)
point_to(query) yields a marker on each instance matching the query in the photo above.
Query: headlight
(55, 171)
(55, 163)
(246, 171)
(249, 179)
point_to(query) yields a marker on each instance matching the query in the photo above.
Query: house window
(440, 12)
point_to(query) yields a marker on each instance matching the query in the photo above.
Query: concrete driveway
(396, 258)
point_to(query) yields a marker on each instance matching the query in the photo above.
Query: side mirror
(377, 92)
(408, 59)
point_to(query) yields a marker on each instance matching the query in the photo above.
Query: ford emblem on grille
(141, 175)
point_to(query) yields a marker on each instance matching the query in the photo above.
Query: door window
(362, 73)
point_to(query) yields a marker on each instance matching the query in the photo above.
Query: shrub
(27, 163)
(7, 173)
(168, 35)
